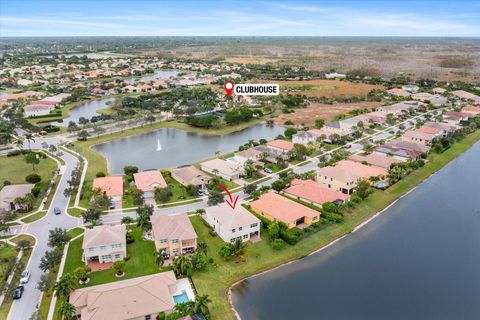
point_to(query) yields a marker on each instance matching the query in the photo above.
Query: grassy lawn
(22, 237)
(215, 281)
(7, 303)
(142, 260)
(15, 169)
(75, 232)
(35, 217)
(75, 212)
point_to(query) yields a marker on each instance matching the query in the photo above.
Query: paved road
(22, 309)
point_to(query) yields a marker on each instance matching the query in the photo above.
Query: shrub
(130, 238)
(289, 236)
(36, 191)
(33, 178)
(126, 258)
(6, 183)
(100, 174)
(278, 244)
(333, 217)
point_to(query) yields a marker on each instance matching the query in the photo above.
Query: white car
(24, 277)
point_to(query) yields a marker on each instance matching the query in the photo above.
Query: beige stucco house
(174, 233)
(104, 244)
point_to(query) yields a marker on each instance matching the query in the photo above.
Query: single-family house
(112, 187)
(9, 193)
(445, 129)
(104, 244)
(280, 146)
(398, 152)
(338, 127)
(423, 135)
(467, 96)
(310, 136)
(34, 110)
(439, 90)
(435, 100)
(409, 145)
(224, 169)
(376, 160)
(275, 207)
(252, 154)
(473, 110)
(456, 117)
(232, 224)
(399, 92)
(148, 180)
(174, 234)
(344, 176)
(189, 175)
(140, 298)
(311, 192)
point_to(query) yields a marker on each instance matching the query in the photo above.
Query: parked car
(17, 294)
(24, 277)
(268, 170)
(57, 211)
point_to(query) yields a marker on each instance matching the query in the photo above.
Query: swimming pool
(232, 160)
(181, 298)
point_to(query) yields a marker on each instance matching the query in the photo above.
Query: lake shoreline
(475, 137)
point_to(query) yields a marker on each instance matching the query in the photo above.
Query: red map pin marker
(228, 87)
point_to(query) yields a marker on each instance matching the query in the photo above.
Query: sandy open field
(306, 116)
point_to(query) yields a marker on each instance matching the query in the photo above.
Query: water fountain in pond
(159, 146)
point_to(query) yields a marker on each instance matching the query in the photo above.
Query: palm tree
(202, 247)
(144, 223)
(238, 248)
(67, 311)
(201, 303)
(182, 264)
(29, 138)
(64, 286)
(160, 257)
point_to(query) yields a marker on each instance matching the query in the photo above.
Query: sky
(456, 18)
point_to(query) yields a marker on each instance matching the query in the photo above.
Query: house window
(245, 236)
(116, 245)
(163, 240)
(103, 247)
(175, 241)
(117, 256)
(175, 250)
(315, 218)
(91, 249)
(240, 229)
(253, 225)
(233, 230)
(148, 317)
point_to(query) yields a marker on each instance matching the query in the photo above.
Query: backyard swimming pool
(181, 298)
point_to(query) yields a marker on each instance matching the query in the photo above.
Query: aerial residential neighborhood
(246, 160)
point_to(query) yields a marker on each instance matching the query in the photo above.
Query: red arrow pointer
(232, 203)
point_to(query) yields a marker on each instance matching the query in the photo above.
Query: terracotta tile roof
(112, 186)
(375, 160)
(191, 175)
(127, 299)
(311, 191)
(172, 227)
(104, 235)
(361, 170)
(280, 144)
(147, 181)
(281, 208)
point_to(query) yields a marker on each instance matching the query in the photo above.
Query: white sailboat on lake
(159, 146)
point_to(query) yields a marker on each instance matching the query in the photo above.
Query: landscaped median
(216, 281)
